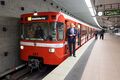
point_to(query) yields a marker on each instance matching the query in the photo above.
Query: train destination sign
(112, 12)
(37, 18)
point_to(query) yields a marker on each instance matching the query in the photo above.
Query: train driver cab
(43, 27)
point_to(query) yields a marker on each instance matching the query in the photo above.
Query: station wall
(10, 11)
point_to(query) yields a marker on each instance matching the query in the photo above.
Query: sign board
(37, 18)
(112, 12)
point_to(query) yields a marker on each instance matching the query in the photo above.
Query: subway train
(43, 37)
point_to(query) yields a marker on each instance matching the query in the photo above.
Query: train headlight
(29, 19)
(21, 47)
(35, 14)
(52, 50)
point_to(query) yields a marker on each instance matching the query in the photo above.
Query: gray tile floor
(104, 61)
(80, 65)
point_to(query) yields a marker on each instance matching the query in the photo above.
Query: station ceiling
(79, 9)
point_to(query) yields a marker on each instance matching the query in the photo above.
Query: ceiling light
(92, 12)
(100, 13)
(88, 2)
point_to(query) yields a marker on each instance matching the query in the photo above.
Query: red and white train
(43, 36)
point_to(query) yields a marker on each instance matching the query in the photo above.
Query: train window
(57, 29)
(60, 29)
(34, 31)
(78, 26)
(52, 31)
(83, 31)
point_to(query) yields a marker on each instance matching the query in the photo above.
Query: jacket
(71, 39)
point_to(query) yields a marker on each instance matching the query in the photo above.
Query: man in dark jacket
(96, 34)
(71, 34)
(102, 34)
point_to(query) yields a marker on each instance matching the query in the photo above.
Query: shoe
(74, 55)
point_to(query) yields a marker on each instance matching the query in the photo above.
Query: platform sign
(112, 12)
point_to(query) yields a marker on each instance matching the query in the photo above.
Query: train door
(83, 34)
(90, 32)
(87, 34)
(67, 24)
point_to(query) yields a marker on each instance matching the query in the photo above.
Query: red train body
(52, 50)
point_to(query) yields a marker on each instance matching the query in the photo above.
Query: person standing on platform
(96, 35)
(71, 34)
(102, 34)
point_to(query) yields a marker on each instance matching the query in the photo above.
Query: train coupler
(34, 64)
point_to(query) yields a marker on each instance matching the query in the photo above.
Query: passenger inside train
(39, 33)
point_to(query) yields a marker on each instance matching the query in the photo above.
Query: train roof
(65, 15)
(76, 20)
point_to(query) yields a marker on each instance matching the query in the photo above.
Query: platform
(96, 60)
(65, 67)
(104, 61)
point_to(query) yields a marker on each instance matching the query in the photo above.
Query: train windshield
(42, 31)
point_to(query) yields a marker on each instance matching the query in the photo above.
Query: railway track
(26, 74)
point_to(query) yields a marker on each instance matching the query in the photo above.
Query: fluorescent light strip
(92, 11)
(88, 2)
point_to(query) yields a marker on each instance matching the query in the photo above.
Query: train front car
(43, 38)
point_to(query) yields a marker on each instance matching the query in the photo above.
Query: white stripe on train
(57, 45)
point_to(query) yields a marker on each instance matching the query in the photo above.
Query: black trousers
(96, 36)
(102, 36)
(72, 48)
